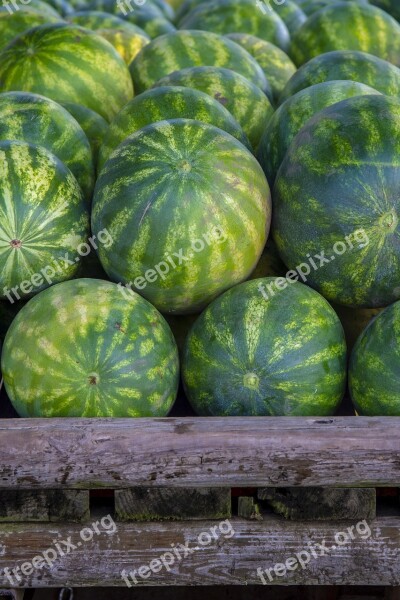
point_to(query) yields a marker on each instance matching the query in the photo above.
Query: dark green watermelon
(337, 202)
(374, 370)
(94, 126)
(260, 349)
(184, 49)
(164, 103)
(238, 16)
(188, 193)
(244, 100)
(347, 26)
(346, 64)
(79, 349)
(14, 23)
(294, 113)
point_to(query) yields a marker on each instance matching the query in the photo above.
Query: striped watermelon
(15, 23)
(244, 100)
(337, 197)
(166, 103)
(188, 208)
(79, 349)
(374, 371)
(128, 45)
(290, 13)
(293, 114)
(68, 64)
(263, 350)
(183, 49)
(160, 7)
(277, 66)
(38, 120)
(43, 220)
(63, 7)
(309, 7)
(94, 126)
(347, 26)
(238, 16)
(40, 7)
(346, 64)
(148, 18)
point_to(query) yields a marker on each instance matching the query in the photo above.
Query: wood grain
(200, 452)
(227, 561)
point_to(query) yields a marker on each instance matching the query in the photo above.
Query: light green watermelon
(294, 113)
(374, 370)
(43, 220)
(345, 64)
(68, 64)
(347, 26)
(277, 66)
(188, 209)
(260, 349)
(38, 120)
(165, 103)
(183, 49)
(244, 100)
(79, 349)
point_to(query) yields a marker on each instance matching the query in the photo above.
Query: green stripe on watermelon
(101, 20)
(235, 16)
(160, 7)
(94, 126)
(184, 49)
(309, 7)
(181, 188)
(374, 370)
(165, 103)
(346, 64)
(347, 26)
(290, 13)
(15, 23)
(128, 45)
(147, 18)
(244, 100)
(38, 120)
(294, 113)
(279, 355)
(341, 176)
(43, 219)
(68, 64)
(79, 349)
(277, 66)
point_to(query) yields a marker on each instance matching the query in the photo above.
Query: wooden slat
(44, 505)
(233, 561)
(200, 452)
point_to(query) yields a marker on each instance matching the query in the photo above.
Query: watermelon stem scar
(390, 220)
(251, 381)
(16, 243)
(94, 378)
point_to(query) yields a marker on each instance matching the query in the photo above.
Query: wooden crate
(85, 469)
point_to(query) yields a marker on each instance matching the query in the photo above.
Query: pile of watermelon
(200, 198)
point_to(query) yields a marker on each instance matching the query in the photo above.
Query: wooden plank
(44, 505)
(147, 504)
(200, 452)
(235, 557)
(321, 503)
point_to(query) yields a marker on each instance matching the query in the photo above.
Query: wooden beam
(229, 559)
(200, 452)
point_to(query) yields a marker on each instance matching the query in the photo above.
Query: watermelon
(354, 321)
(337, 202)
(38, 6)
(165, 103)
(238, 16)
(390, 6)
(264, 350)
(68, 64)
(183, 49)
(277, 66)
(345, 64)
(128, 45)
(63, 7)
(290, 13)
(148, 18)
(311, 6)
(244, 100)
(347, 26)
(160, 7)
(43, 220)
(95, 19)
(79, 349)
(188, 209)
(94, 126)
(12, 25)
(374, 370)
(38, 120)
(294, 113)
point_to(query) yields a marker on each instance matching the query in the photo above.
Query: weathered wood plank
(44, 505)
(321, 503)
(148, 504)
(235, 557)
(200, 452)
